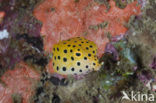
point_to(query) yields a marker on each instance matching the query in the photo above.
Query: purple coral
(117, 38)
(17, 23)
(153, 64)
(145, 76)
(4, 45)
(142, 3)
(111, 49)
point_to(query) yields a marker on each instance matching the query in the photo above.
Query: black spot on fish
(71, 50)
(57, 68)
(87, 48)
(59, 57)
(65, 51)
(87, 66)
(72, 69)
(72, 58)
(85, 58)
(65, 59)
(64, 68)
(78, 63)
(89, 55)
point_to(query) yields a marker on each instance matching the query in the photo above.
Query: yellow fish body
(75, 56)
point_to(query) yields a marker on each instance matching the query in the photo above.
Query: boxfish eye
(78, 54)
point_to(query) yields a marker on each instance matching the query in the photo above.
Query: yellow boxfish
(75, 56)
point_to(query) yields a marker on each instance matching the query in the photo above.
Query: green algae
(76, 1)
(99, 26)
(17, 98)
(103, 2)
(121, 4)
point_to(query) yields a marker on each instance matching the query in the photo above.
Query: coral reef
(124, 31)
(88, 18)
(18, 83)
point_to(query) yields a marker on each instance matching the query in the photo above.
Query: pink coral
(19, 80)
(63, 19)
(2, 14)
